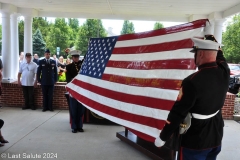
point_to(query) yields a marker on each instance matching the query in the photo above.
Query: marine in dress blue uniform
(76, 108)
(202, 94)
(47, 77)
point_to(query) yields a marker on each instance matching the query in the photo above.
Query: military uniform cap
(75, 53)
(47, 51)
(201, 44)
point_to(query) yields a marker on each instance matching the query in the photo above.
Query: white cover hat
(200, 44)
(75, 53)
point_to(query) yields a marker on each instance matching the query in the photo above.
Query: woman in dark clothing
(2, 140)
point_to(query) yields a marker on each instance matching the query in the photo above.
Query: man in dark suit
(76, 109)
(47, 77)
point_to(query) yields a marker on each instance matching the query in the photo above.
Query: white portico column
(6, 47)
(218, 25)
(27, 34)
(15, 46)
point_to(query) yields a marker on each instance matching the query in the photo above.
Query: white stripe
(201, 116)
(158, 93)
(136, 126)
(177, 74)
(162, 38)
(122, 106)
(166, 55)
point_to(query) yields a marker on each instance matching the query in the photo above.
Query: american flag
(133, 79)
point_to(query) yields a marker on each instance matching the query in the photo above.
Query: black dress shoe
(33, 108)
(25, 108)
(44, 110)
(74, 131)
(51, 110)
(80, 130)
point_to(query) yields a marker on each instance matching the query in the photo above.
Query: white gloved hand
(208, 29)
(158, 142)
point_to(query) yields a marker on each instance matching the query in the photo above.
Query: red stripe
(164, 31)
(143, 82)
(161, 47)
(158, 64)
(148, 121)
(128, 98)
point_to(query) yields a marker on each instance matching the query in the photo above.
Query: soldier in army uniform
(76, 108)
(201, 96)
(47, 77)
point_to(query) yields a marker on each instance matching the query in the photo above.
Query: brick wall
(228, 107)
(12, 96)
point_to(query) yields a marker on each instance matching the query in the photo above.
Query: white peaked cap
(75, 53)
(204, 45)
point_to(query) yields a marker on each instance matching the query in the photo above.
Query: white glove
(158, 142)
(208, 30)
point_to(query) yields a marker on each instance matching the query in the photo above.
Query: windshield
(234, 68)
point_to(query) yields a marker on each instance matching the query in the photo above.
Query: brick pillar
(228, 108)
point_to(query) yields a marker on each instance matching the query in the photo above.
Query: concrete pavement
(47, 135)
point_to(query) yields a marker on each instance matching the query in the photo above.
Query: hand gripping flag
(133, 79)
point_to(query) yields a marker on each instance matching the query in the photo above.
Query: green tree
(127, 28)
(158, 25)
(90, 29)
(231, 40)
(74, 25)
(58, 36)
(38, 43)
(42, 24)
(21, 35)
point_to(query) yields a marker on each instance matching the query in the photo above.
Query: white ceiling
(158, 10)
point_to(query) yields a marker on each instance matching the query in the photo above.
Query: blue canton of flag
(98, 54)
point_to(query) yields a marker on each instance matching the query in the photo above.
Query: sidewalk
(35, 134)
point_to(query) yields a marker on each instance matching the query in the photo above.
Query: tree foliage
(42, 24)
(127, 28)
(58, 36)
(231, 40)
(21, 35)
(158, 25)
(90, 29)
(38, 43)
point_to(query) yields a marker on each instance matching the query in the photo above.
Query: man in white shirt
(28, 71)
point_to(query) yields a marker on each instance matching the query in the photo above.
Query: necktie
(47, 61)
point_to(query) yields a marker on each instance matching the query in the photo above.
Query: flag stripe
(157, 73)
(118, 96)
(160, 39)
(164, 31)
(168, 46)
(157, 93)
(143, 82)
(148, 121)
(158, 64)
(150, 131)
(165, 55)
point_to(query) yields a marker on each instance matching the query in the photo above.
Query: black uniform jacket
(203, 93)
(72, 70)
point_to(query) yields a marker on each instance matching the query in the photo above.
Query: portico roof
(157, 10)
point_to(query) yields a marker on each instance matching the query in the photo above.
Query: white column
(6, 47)
(28, 34)
(218, 29)
(15, 46)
